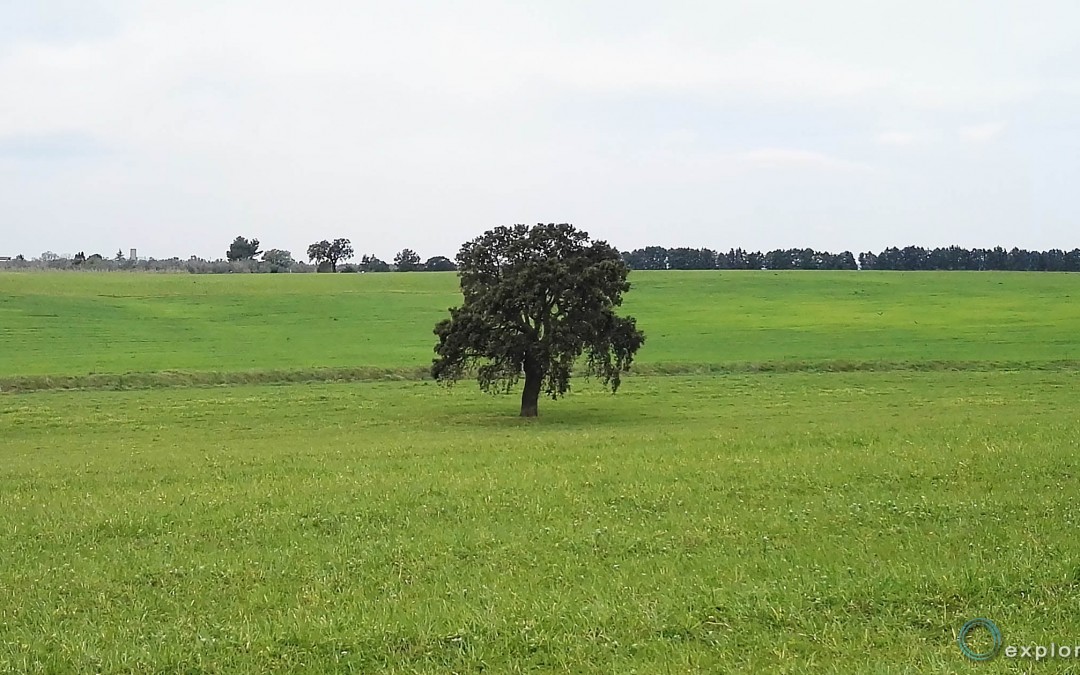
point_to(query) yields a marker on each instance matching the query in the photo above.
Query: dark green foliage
(327, 254)
(808, 259)
(440, 264)
(535, 300)
(691, 259)
(278, 260)
(660, 258)
(648, 258)
(370, 263)
(957, 258)
(242, 249)
(910, 258)
(407, 261)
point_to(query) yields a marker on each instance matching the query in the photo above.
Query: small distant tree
(535, 300)
(440, 264)
(242, 249)
(79, 258)
(278, 260)
(49, 256)
(119, 256)
(20, 258)
(370, 263)
(330, 253)
(407, 260)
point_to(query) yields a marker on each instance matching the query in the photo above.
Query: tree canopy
(242, 249)
(535, 300)
(330, 252)
(407, 260)
(370, 263)
(439, 263)
(279, 260)
(910, 258)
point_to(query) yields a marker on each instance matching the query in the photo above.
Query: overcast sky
(174, 125)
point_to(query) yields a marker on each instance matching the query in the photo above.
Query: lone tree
(330, 252)
(537, 298)
(407, 260)
(242, 249)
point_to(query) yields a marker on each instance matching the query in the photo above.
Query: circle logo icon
(965, 633)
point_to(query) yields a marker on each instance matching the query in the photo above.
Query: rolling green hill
(77, 324)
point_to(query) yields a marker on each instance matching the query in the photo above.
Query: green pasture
(839, 522)
(78, 324)
(734, 520)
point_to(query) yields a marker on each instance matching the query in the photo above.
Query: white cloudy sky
(174, 125)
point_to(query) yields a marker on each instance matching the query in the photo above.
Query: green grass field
(61, 324)
(843, 522)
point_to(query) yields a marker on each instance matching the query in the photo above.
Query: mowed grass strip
(170, 378)
(83, 325)
(836, 522)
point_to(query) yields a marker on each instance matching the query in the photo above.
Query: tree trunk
(530, 395)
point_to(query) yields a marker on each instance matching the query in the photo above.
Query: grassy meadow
(62, 324)
(760, 518)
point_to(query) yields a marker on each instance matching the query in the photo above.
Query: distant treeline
(910, 258)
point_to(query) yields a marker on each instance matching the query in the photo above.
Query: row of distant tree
(909, 258)
(272, 261)
(246, 255)
(329, 256)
